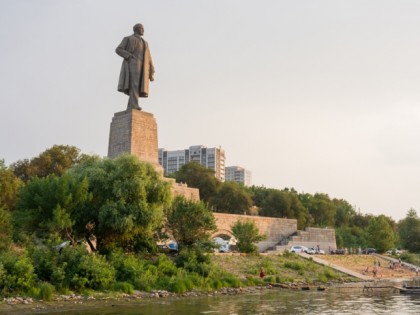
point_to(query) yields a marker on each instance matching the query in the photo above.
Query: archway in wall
(226, 235)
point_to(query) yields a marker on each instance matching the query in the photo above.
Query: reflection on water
(274, 301)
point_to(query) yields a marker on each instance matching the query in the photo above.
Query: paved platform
(347, 271)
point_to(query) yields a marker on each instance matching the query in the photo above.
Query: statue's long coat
(141, 68)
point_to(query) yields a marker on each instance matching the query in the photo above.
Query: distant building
(212, 158)
(238, 174)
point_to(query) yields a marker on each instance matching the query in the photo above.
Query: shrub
(16, 273)
(68, 265)
(194, 260)
(181, 283)
(46, 291)
(288, 254)
(294, 265)
(322, 278)
(99, 273)
(231, 281)
(165, 266)
(44, 261)
(124, 287)
(128, 267)
(147, 280)
(331, 274)
(269, 279)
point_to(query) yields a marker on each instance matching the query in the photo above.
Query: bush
(181, 283)
(331, 274)
(194, 260)
(46, 291)
(128, 267)
(16, 273)
(44, 261)
(166, 266)
(78, 269)
(68, 266)
(124, 287)
(294, 265)
(99, 273)
(147, 280)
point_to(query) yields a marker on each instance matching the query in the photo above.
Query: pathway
(336, 267)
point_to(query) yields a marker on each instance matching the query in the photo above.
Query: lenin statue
(137, 67)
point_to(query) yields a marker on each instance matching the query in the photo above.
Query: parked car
(223, 245)
(173, 247)
(314, 250)
(368, 251)
(311, 251)
(397, 251)
(298, 249)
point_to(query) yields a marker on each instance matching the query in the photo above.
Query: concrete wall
(275, 229)
(189, 193)
(312, 237)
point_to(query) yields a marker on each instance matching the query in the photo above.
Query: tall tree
(409, 231)
(191, 223)
(343, 212)
(198, 176)
(127, 205)
(9, 186)
(231, 198)
(46, 206)
(55, 160)
(381, 234)
(5, 228)
(246, 234)
(321, 209)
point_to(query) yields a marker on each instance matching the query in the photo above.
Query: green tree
(409, 231)
(55, 160)
(190, 222)
(127, 204)
(5, 229)
(321, 208)
(343, 212)
(285, 204)
(246, 234)
(381, 234)
(46, 206)
(231, 198)
(9, 186)
(198, 176)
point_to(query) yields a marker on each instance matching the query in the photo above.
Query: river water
(275, 301)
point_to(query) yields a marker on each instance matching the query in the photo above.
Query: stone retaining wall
(275, 229)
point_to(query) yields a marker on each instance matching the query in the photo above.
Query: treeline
(60, 207)
(353, 229)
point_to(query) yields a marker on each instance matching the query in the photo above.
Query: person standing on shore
(262, 274)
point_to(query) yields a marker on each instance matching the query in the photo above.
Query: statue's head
(138, 29)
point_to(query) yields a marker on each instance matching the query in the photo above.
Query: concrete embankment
(337, 267)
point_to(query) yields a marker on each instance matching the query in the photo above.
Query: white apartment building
(238, 174)
(212, 158)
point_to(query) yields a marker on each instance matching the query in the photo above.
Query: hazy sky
(322, 96)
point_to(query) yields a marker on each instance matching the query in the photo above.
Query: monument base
(135, 132)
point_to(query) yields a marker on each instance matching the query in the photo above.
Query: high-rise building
(238, 174)
(212, 158)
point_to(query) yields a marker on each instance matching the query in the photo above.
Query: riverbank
(281, 272)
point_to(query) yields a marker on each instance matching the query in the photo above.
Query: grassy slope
(279, 269)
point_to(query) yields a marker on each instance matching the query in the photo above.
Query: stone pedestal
(134, 132)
